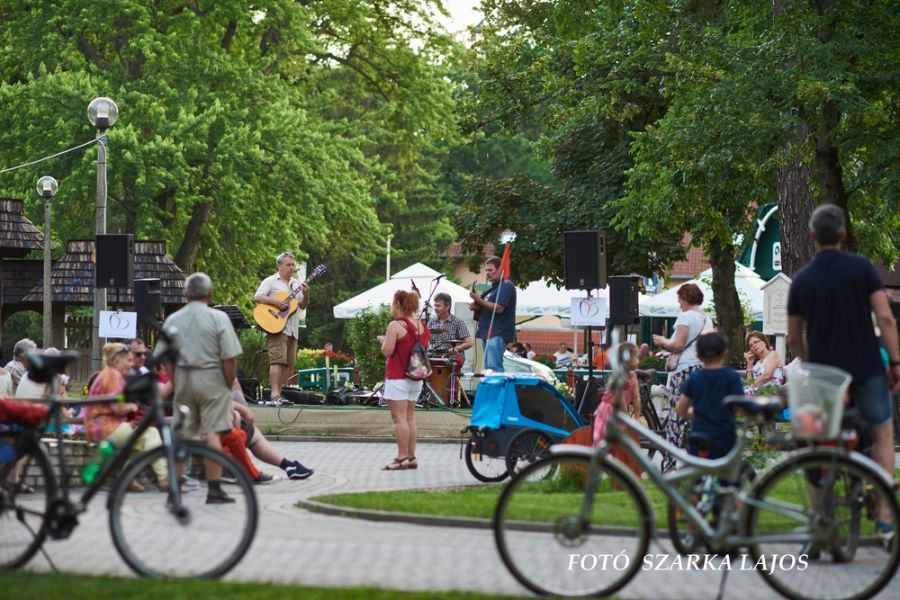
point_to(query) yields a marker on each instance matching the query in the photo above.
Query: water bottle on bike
(105, 451)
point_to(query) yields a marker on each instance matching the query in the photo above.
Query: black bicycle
(172, 533)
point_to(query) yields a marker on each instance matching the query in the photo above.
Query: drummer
(449, 335)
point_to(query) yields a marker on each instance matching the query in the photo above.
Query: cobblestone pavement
(296, 546)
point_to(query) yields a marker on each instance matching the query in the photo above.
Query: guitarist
(282, 346)
(497, 323)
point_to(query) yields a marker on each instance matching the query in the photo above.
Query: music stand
(238, 321)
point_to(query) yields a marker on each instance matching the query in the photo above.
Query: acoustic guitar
(271, 318)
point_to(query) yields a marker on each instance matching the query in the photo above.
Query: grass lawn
(480, 501)
(476, 502)
(27, 586)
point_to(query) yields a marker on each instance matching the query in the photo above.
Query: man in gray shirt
(206, 369)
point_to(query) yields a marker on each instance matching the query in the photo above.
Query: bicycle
(579, 523)
(173, 535)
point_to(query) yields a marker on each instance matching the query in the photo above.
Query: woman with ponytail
(401, 393)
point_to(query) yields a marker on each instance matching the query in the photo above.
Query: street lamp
(102, 113)
(46, 189)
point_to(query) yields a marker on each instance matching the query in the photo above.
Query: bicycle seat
(768, 406)
(42, 366)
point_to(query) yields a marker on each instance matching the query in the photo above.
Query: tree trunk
(186, 257)
(729, 314)
(795, 205)
(795, 199)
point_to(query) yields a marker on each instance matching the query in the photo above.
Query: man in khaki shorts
(205, 371)
(282, 346)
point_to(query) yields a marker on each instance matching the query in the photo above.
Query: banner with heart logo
(118, 324)
(589, 312)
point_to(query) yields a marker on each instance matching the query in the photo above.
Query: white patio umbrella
(748, 284)
(383, 293)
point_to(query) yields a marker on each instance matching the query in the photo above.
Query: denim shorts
(873, 399)
(402, 389)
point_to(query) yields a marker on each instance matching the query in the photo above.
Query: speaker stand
(591, 386)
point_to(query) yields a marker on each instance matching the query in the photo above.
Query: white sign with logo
(776, 256)
(588, 312)
(117, 324)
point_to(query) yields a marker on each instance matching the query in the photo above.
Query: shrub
(254, 361)
(653, 362)
(359, 333)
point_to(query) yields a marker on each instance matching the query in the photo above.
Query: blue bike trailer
(523, 401)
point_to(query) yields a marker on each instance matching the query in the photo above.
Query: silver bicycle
(579, 522)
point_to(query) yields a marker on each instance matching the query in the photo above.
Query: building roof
(694, 263)
(18, 235)
(74, 279)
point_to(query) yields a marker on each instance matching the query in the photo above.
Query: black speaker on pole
(585, 259)
(115, 260)
(623, 299)
(147, 300)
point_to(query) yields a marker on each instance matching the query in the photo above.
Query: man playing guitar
(455, 337)
(282, 346)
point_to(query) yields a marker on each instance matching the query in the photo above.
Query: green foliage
(360, 333)
(254, 361)
(653, 362)
(666, 118)
(245, 129)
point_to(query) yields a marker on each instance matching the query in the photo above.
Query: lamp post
(102, 114)
(46, 189)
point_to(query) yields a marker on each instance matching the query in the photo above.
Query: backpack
(419, 366)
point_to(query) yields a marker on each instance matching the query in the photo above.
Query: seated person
(564, 357)
(702, 395)
(245, 436)
(110, 421)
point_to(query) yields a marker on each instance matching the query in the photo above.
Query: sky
(462, 13)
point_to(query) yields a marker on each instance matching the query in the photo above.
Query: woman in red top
(401, 393)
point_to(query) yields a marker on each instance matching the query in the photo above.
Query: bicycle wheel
(151, 538)
(488, 469)
(650, 420)
(810, 504)
(525, 447)
(847, 500)
(545, 546)
(23, 516)
(681, 531)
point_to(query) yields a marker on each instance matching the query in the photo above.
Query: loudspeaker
(115, 260)
(587, 396)
(623, 300)
(585, 259)
(250, 387)
(147, 300)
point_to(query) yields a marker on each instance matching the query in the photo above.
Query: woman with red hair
(400, 392)
(688, 326)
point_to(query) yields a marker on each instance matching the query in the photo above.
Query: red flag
(504, 262)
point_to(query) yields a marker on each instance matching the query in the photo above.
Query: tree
(247, 128)
(704, 98)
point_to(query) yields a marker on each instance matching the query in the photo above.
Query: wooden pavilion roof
(18, 235)
(73, 275)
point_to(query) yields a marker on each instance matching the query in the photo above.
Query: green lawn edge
(25, 585)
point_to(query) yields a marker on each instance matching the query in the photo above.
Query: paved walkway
(296, 546)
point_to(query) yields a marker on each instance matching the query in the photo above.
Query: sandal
(396, 465)
(412, 463)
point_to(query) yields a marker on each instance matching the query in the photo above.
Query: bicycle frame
(728, 467)
(154, 416)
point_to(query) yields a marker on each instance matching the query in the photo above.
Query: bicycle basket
(816, 399)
